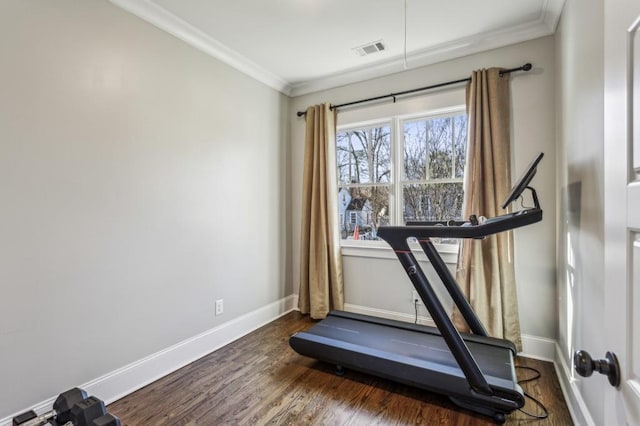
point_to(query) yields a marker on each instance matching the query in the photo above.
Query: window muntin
(399, 170)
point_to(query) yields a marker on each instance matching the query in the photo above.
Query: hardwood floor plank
(260, 380)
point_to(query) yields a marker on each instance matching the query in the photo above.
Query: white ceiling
(302, 46)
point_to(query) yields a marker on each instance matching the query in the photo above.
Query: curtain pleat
(485, 267)
(321, 284)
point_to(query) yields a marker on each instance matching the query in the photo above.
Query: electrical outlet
(415, 296)
(219, 306)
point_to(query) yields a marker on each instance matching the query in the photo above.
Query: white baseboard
(125, 380)
(577, 407)
(537, 347)
(382, 313)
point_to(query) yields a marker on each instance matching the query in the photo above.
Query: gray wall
(140, 180)
(580, 100)
(378, 283)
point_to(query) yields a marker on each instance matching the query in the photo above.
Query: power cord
(526, 395)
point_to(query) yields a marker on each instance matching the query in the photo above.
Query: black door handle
(585, 366)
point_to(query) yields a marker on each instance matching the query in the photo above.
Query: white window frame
(380, 249)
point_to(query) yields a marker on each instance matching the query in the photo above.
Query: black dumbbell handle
(44, 419)
(40, 420)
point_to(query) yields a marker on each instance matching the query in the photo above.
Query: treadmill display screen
(523, 182)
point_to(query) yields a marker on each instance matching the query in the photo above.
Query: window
(400, 169)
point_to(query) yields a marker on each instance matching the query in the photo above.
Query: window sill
(382, 250)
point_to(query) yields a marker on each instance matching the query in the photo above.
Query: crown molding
(551, 13)
(544, 25)
(149, 11)
(166, 21)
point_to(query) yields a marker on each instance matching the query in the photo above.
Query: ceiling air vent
(369, 48)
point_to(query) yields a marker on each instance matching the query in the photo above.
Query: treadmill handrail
(462, 229)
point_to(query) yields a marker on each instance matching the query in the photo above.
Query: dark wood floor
(259, 380)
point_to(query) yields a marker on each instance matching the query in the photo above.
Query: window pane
(460, 143)
(440, 148)
(364, 209)
(435, 148)
(415, 150)
(364, 155)
(438, 201)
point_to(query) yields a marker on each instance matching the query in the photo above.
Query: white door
(622, 205)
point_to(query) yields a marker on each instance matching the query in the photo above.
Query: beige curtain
(321, 288)
(485, 267)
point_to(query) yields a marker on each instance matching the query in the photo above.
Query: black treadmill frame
(398, 238)
(482, 397)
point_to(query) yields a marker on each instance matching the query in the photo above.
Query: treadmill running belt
(418, 358)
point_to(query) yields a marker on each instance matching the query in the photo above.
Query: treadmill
(474, 370)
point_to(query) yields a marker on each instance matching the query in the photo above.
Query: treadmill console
(523, 183)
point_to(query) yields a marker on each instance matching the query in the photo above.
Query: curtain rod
(525, 67)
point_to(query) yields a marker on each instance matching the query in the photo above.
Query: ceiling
(302, 46)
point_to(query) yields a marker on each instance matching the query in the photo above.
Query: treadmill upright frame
(474, 392)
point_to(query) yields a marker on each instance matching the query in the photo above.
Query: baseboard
(537, 347)
(125, 380)
(382, 313)
(577, 407)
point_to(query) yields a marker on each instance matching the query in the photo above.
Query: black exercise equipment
(61, 412)
(474, 370)
(84, 412)
(72, 408)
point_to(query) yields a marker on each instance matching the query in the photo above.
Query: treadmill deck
(413, 354)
